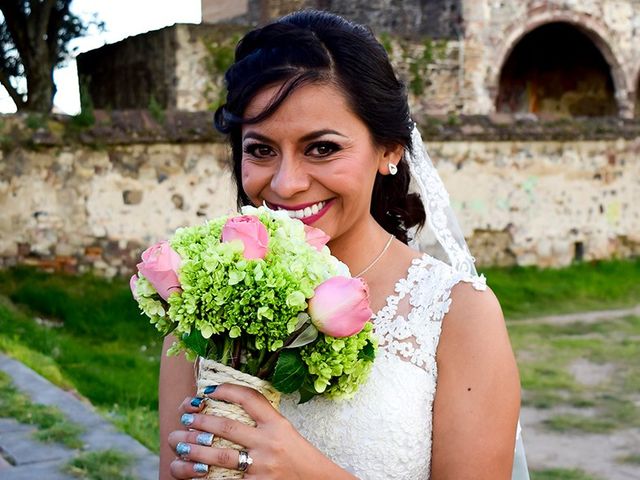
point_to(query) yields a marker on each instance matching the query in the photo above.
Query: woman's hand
(278, 451)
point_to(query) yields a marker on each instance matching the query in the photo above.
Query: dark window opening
(578, 251)
(558, 71)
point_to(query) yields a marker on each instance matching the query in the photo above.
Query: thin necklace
(375, 260)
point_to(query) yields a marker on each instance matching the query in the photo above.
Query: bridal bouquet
(258, 299)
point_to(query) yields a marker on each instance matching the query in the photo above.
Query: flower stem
(237, 349)
(266, 370)
(226, 351)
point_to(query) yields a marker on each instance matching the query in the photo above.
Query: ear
(391, 154)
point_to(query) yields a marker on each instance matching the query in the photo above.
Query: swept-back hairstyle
(319, 47)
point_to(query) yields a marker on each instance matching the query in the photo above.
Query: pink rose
(251, 232)
(133, 285)
(340, 306)
(160, 264)
(316, 237)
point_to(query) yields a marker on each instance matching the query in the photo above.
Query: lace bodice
(384, 432)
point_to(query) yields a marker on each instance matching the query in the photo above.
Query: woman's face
(313, 157)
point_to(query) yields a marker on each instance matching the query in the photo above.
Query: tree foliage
(34, 39)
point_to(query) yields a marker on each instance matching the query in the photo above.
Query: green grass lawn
(87, 334)
(103, 465)
(560, 474)
(533, 292)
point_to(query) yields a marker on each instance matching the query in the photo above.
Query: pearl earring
(393, 169)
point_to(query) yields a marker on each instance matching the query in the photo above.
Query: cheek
(252, 181)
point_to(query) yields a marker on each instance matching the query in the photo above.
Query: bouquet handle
(210, 372)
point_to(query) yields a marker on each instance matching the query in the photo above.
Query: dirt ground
(614, 455)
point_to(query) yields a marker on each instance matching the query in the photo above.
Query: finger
(191, 405)
(182, 469)
(221, 457)
(253, 402)
(198, 438)
(232, 430)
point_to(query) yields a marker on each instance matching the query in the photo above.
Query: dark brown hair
(313, 46)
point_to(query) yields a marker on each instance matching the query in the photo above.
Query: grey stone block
(44, 392)
(43, 471)
(37, 459)
(24, 449)
(10, 425)
(147, 468)
(107, 437)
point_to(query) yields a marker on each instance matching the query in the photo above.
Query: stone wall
(179, 67)
(78, 208)
(223, 10)
(189, 61)
(93, 199)
(435, 18)
(486, 33)
(451, 53)
(132, 73)
(544, 203)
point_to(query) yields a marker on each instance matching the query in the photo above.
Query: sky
(122, 18)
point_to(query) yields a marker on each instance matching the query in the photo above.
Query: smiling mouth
(307, 212)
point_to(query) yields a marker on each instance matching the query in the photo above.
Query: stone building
(553, 58)
(483, 77)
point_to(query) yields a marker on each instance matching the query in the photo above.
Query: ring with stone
(244, 460)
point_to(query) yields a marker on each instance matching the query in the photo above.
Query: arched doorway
(556, 70)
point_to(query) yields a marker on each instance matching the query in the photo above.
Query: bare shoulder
(474, 336)
(473, 313)
(478, 391)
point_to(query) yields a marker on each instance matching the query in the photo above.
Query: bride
(319, 126)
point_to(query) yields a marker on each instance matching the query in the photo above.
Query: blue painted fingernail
(183, 448)
(187, 419)
(205, 439)
(210, 389)
(200, 468)
(196, 401)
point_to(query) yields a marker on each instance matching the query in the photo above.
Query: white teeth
(305, 212)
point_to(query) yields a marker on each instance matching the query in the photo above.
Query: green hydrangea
(338, 366)
(229, 303)
(225, 294)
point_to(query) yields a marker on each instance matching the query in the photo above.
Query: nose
(290, 178)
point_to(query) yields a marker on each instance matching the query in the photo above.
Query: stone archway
(556, 69)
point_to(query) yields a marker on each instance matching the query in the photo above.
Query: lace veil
(444, 226)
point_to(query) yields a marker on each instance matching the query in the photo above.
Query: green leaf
(367, 353)
(289, 373)
(196, 342)
(307, 392)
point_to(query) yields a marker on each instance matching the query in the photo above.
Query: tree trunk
(40, 87)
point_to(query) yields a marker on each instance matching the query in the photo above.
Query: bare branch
(13, 93)
(16, 22)
(34, 36)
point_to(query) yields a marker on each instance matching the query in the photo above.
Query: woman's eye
(258, 150)
(322, 149)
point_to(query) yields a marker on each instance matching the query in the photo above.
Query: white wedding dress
(384, 432)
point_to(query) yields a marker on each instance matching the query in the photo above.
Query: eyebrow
(305, 138)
